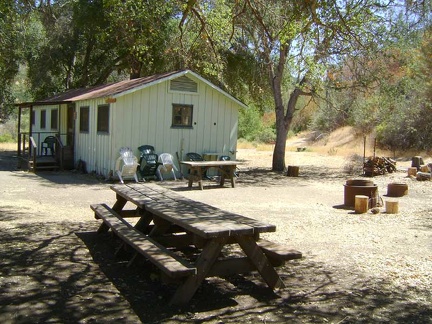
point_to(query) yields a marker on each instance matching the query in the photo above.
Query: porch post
(19, 131)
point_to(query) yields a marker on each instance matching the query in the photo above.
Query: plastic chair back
(149, 164)
(126, 164)
(146, 149)
(166, 164)
(49, 144)
(194, 156)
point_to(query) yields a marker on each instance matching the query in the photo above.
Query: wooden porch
(32, 154)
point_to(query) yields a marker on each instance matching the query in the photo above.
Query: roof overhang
(115, 90)
(41, 103)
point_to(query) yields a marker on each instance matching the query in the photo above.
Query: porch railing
(30, 146)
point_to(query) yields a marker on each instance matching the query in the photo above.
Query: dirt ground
(356, 268)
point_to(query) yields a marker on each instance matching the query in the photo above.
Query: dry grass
(8, 146)
(342, 142)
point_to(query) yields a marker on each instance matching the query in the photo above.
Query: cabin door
(68, 149)
(70, 125)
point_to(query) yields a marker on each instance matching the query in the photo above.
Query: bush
(6, 138)
(254, 127)
(249, 124)
(8, 131)
(267, 135)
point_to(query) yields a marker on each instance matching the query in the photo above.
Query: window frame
(33, 118)
(103, 123)
(54, 119)
(42, 119)
(84, 122)
(181, 124)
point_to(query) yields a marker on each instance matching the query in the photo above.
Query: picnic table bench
(169, 222)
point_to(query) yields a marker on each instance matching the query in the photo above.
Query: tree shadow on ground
(9, 162)
(47, 276)
(314, 293)
(67, 273)
(264, 177)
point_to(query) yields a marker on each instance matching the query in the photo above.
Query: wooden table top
(210, 163)
(197, 217)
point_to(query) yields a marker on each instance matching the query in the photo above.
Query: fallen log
(374, 166)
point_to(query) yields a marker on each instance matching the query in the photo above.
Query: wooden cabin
(174, 112)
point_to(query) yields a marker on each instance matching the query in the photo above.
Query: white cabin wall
(93, 148)
(145, 116)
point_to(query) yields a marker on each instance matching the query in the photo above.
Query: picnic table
(169, 223)
(197, 170)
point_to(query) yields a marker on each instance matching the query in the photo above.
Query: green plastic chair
(48, 144)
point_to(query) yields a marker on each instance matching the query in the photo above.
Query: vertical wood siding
(145, 116)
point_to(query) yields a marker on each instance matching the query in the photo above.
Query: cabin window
(43, 119)
(33, 118)
(54, 118)
(103, 119)
(182, 115)
(84, 119)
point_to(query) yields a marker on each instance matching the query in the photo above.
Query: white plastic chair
(167, 165)
(126, 165)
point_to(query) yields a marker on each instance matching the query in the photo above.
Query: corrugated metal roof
(119, 88)
(106, 90)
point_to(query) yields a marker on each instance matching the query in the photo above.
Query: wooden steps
(44, 162)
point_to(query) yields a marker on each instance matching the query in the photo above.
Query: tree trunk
(279, 150)
(276, 76)
(135, 69)
(283, 124)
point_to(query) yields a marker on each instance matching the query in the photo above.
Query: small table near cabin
(197, 170)
(170, 222)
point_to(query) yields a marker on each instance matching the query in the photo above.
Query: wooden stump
(417, 161)
(392, 206)
(293, 171)
(361, 204)
(397, 189)
(412, 171)
(424, 168)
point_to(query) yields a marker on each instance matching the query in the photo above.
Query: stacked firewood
(379, 166)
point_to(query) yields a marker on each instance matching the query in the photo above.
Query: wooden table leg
(195, 174)
(231, 170)
(257, 257)
(228, 172)
(204, 263)
(118, 206)
(222, 176)
(144, 221)
(200, 178)
(161, 227)
(191, 177)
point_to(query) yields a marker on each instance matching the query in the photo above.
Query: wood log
(417, 161)
(424, 168)
(293, 171)
(361, 204)
(412, 171)
(392, 206)
(397, 189)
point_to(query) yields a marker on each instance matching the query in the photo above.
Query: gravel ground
(356, 268)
